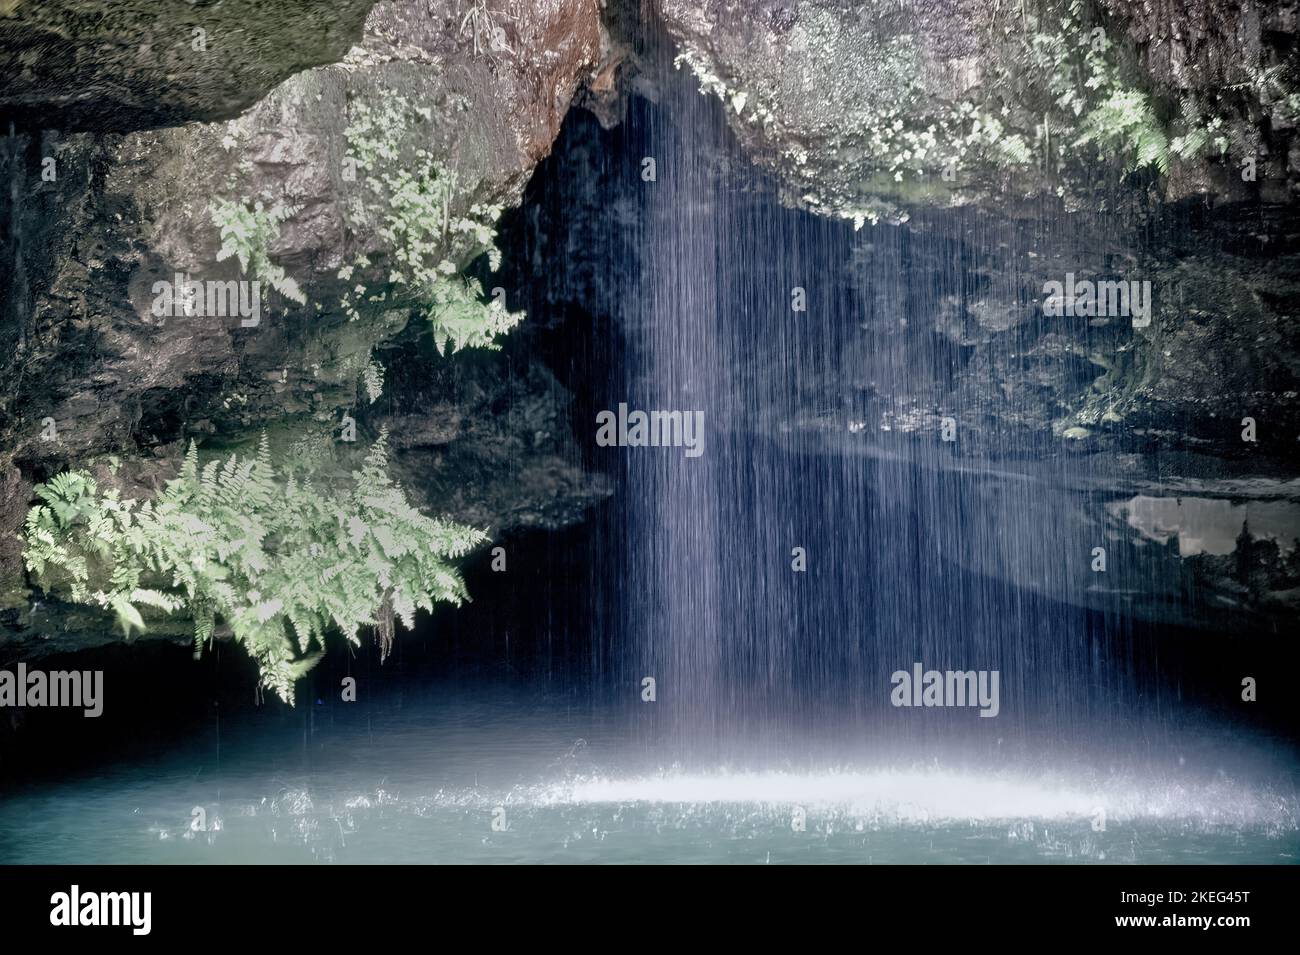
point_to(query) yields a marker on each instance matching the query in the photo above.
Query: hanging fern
(409, 205)
(277, 560)
(246, 234)
(1126, 123)
(461, 319)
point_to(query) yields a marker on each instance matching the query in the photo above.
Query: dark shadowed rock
(130, 64)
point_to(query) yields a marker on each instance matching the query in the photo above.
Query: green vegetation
(1123, 124)
(1202, 133)
(853, 107)
(1065, 53)
(372, 376)
(1093, 105)
(246, 233)
(409, 201)
(278, 560)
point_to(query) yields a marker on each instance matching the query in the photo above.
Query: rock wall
(82, 64)
(871, 110)
(94, 219)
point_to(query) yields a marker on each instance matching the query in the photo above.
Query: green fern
(461, 319)
(246, 234)
(281, 562)
(1126, 123)
(409, 205)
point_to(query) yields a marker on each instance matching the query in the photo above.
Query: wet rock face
(1206, 44)
(1229, 564)
(868, 111)
(93, 222)
(123, 212)
(1237, 60)
(86, 65)
(814, 89)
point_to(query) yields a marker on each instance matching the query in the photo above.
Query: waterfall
(677, 547)
(821, 542)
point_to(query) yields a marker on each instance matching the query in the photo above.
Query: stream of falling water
(777, 580)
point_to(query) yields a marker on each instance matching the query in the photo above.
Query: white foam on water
(939, 795)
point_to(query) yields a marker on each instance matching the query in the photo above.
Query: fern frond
(273, 558)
